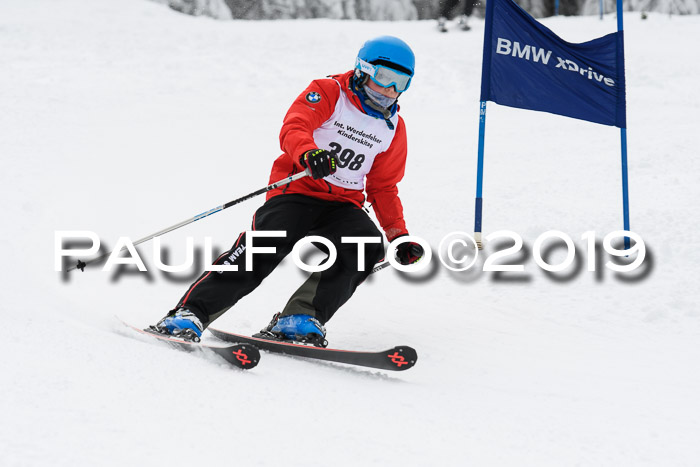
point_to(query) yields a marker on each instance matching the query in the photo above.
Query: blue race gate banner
(527, 66)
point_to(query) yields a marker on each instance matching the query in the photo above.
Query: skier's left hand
(409, 253)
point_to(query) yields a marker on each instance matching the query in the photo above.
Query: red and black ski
(396, 359)
(241, 355)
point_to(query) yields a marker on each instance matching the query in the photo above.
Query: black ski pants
(446, 7)
(213, 293)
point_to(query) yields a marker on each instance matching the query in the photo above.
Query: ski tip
(244, 356)
(401, 357)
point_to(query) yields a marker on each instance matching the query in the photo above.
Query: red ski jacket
(296, 137)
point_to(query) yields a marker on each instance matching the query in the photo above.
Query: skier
(345, 130)
(446, 7)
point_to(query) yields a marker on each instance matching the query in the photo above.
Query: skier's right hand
(320, 163)
(409, 252)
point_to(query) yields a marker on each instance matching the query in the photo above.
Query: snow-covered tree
(214, 8)
(335, 9)
(672, 7)
(388, 10)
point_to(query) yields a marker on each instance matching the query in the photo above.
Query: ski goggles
(385, 76)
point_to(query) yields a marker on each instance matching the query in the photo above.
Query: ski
(241, 355)
(398, 358)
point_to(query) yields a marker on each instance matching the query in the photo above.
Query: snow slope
(125, 117)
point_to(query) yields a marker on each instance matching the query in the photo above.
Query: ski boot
(462, 23)
(183, 324)
(442, 24)
(298, 328)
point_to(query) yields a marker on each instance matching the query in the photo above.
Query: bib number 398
(347, 157)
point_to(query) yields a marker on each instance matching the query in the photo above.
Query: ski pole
(379, 266)
(81, 264)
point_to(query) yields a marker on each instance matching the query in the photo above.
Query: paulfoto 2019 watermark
(457, 251)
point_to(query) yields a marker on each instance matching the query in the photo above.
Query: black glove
(320, 163)
(409, 253)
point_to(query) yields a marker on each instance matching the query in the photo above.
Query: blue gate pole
(623, 150)
(625, 187)
(480, 176)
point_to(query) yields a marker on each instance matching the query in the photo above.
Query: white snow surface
(126, 117)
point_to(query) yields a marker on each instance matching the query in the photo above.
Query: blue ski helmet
(386, 51)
